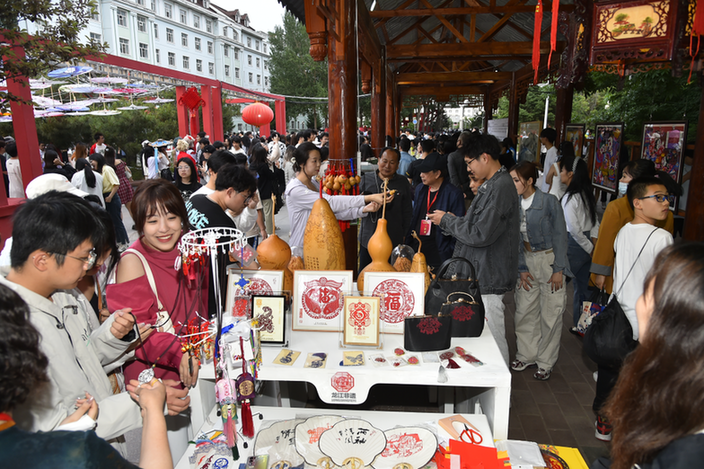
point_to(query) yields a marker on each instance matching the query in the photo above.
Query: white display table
(493, 379)
(383, 420)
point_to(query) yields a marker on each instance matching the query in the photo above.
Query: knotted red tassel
(553, 30)
(230, 427)
(537, 30)
(247, 421)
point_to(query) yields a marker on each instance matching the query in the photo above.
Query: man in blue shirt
(406, 158)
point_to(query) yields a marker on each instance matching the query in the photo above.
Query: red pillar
(280, 112)
(218, 128)
(207, 112)
(181, 112)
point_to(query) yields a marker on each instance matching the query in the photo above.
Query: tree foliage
(55, 42)
(293, 70)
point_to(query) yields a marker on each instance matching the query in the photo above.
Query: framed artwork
(607, 147)
(529, 141)
(270, 312)
(575, 133)
(238, 301)
(318, 299)
(664, 144)
(361, 321)
(401, 296)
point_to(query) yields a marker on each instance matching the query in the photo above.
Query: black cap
(432, 162)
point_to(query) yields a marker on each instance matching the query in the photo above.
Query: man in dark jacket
(488, 234)
(456, 167)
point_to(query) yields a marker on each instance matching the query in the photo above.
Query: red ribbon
(553, 29)
(536, 39)
(697, 30)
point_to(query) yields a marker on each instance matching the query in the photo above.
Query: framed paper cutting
(575, 133)
(401, 294)
(241, 285)
(318, 299)
(607, 148)
(361, 321)
(270, 313)
(664, 144)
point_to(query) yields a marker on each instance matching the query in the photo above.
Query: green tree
(293, 70)
(534, 107)
(55, 42)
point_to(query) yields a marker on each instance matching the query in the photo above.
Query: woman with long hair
(542, 265)
(657, 406)
(303, 190)
(557, 187)
(80, 151)
(579, 208)
(186, 177)
(266, 181)
(112, 200)
(87, 180)
(124, 190)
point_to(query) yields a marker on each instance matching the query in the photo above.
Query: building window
(211, 68)
(156, 31)
(197, 43)
(196, 21)
(266, 81)
(209, 26)
(124, 46)
(210, 47)
(264, 47)
(122, 18)
(250, 77)
(258, 62)
(237, 54)
(186, 62)
(259, 79)
(183, 16)
(227, 50)
(256, 44)
(153, 5)
(249, 59)
(143, 50)
(235, 35)
(184, 39)
(140, 2)
(266, 65)
(142, 24)
(157, 56)
(94, 37)
(249, 42)
(237, 72)
(168, 10)
(170, 35)
(227, 70)
(172, 59)
(199, 65)
(95, 15)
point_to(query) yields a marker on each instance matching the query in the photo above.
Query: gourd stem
(273, 217)
(415, 235)
(386, 186)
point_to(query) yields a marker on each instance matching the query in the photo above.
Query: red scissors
(470, 435)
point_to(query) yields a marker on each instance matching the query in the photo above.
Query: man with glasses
(54, 236)
(488, 235)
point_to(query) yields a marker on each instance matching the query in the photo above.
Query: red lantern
(257, 114)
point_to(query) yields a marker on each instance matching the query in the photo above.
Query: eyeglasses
(88, 261)
(469, 162)
(659, 197)
(183, 168)
(249, 198)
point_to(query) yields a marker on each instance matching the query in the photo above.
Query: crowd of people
(88, 312)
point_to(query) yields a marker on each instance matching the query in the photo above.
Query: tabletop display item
(607, 149)
(318, 299)
(242, 284)
(273, 253)
(308, 435)
(323, 246)
(427, 333)
(270, 313)
(407, 448)
(401, 296)
(664, 144)
(352, 443)
(361, 321)
(379, 247)
(279, 442)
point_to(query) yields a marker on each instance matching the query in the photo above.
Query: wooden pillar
(218, 124)
(181, 112)
(379, 108)
(513, 106)
(563, 110)
(390, 107)
(207, 112)
(398, 101)
(694, 219)
(487, 110)
(280, 113)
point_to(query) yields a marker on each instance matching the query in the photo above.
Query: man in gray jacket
(54, 237)
(488, 234)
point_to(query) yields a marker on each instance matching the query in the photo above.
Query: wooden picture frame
(528, 143)
(664, 144)
(361, 321)
(402, 294)
(575, 133)
(607, 149)
(260, 282)
(270, 312)
(318, 299)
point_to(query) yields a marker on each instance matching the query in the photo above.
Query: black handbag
(460, 281)
(427, 333)
(467, 314)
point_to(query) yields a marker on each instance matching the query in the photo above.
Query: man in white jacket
(54, 235)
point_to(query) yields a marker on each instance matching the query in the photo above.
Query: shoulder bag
(163, 319)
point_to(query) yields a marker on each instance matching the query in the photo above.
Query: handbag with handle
(457, 296)
(427, 333)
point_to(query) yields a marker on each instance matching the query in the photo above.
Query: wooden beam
(447, 24)
(498, 25)
(413, 26)
(433, 51)
(449, 77)
(433, 90)
(463, 11)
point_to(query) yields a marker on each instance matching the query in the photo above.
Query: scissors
(470, 435)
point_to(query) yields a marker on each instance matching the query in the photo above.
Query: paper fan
(352, 443)
(307, 437)
(411, 447)
(279, 442)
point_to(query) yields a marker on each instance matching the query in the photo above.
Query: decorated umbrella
(78, 113)
(67, 72)
(105, 112)
(158, 100)
(132, 107)
(81, 88)
(105, 100)
(43, 83)
(109, 80)
(43, 101)
(5, 118)
(130, 90)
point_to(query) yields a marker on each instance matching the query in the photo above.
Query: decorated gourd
(296, 263)
(379, 247)
(323, 248)
(419, 263)
(273, 253)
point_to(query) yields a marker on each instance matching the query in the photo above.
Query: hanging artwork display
(575, 133)
(241, 285)
(529, 141)
(607, 147)
(318, 299)
(401, 296)
(664, 144)
(361, 321)
(270, 313)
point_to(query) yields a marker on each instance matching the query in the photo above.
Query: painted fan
(279, 442)
(407, 447)
(352, 443)
(307, 437)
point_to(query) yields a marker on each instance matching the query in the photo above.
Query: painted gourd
(379, 247)
(323, 248)
(273, 253)
(419, 263)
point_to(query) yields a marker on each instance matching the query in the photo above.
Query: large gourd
(323, 248)
(273, 253)
(379, 247)
(419, 263)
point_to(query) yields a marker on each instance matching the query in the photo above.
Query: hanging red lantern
(257, 114)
